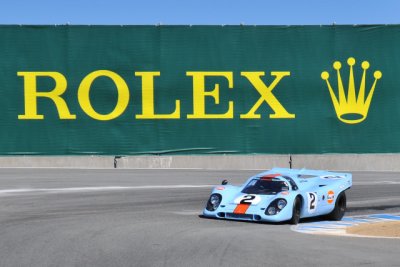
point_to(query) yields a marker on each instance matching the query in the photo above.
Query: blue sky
(167, 12)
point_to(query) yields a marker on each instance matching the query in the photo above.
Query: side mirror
(224, 182)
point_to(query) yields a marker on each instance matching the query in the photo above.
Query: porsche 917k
(280, 195)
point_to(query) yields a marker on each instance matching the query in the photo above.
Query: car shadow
(242, 221)
(305, 220)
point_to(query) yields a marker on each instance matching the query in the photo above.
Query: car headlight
(271, 210)
(214, 202)
(281, 203)
(276, 206)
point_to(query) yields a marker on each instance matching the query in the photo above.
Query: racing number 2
(312, 202)
(247, 199)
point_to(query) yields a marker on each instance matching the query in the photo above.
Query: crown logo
(353, 109)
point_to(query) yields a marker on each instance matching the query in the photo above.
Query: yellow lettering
(200, 93)
(148, 99)
(31, 95)
(84, 100)
(266, 95)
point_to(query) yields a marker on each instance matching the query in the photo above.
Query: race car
(280, 195)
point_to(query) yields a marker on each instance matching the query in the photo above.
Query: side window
(292, 183)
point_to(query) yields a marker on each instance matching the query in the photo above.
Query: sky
(205, 12)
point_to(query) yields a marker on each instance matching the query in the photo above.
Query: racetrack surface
(73, 217)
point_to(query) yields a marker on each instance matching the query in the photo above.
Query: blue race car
(280, 195)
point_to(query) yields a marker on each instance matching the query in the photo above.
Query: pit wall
(349, 162)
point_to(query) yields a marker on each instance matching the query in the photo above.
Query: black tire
(340, 208)
(296, 211)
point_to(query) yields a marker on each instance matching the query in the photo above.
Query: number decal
(248, 200)
(312, 202)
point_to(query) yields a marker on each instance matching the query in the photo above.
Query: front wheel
(296, 212)
(340, 208)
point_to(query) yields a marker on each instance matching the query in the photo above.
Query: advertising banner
(132, 90)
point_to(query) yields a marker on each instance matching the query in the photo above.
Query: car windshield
(265, 186)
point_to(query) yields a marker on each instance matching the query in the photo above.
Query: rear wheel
(296, 211)
(340, 208)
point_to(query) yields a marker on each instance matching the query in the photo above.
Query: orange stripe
(241, 208)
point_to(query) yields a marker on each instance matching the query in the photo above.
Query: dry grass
(387, 229)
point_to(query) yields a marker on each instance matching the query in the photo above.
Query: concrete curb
(339, 228)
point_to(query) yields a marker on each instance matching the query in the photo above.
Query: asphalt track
(72, 217)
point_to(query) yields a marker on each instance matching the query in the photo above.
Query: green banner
(128, 90)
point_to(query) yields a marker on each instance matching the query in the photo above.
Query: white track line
(381, 200)
(20, 191)
(376, 182)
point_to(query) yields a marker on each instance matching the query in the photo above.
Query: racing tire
(296, 211)
(340, 208)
